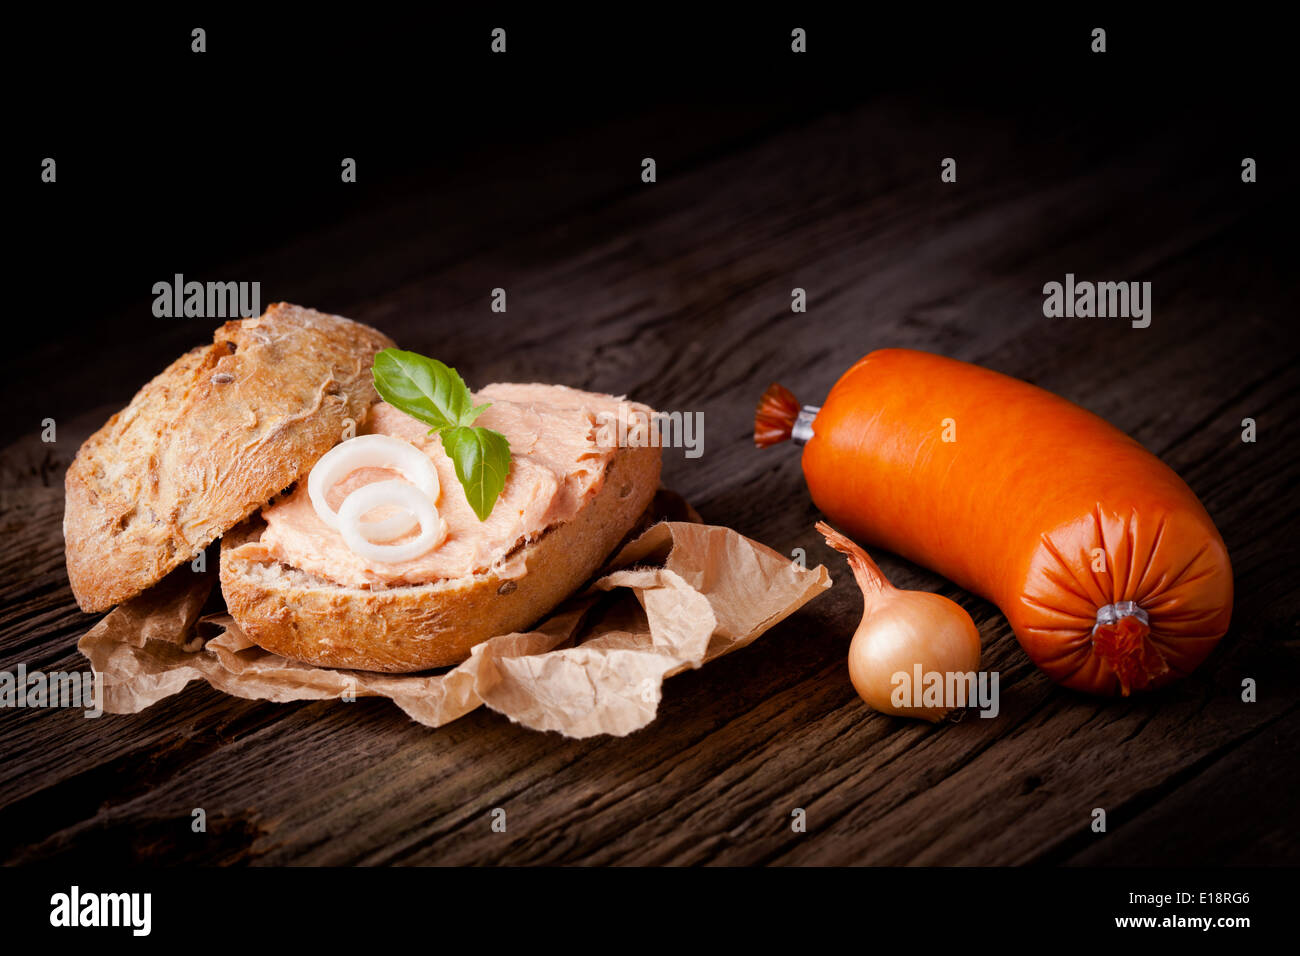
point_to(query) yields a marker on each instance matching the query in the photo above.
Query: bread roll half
(402, 629)
(209, 441)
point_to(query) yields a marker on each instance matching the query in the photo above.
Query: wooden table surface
(678, 293)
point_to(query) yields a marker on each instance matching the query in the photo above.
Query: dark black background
(170, 161)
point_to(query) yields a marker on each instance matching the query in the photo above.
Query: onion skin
(904, 629)
(901, 631)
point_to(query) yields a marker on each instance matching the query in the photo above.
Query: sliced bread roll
(229, 429)
(411, 628)
(208, 442)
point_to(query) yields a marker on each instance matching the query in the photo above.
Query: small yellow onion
(901, 632)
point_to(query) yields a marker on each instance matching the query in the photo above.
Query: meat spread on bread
(222, 443)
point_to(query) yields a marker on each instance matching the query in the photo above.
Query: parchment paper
(675, 598)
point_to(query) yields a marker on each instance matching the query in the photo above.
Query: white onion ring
(372, 451)
(393, 494)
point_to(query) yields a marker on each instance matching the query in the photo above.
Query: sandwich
(356, 530)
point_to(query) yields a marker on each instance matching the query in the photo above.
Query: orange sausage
(1040, 506)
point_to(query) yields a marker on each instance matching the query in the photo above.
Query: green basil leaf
(473, 413)
(423, 388)
(435, 394)
(482, 459)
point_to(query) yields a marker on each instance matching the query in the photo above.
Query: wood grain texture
(679, 294)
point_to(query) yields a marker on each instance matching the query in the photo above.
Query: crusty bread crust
(209, 441)
(405, 629)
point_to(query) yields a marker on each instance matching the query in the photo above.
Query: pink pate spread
(558, 454)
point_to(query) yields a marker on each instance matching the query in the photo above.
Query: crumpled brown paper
(678, 596)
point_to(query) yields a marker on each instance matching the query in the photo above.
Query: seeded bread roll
(208, 442)
(403, 629)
